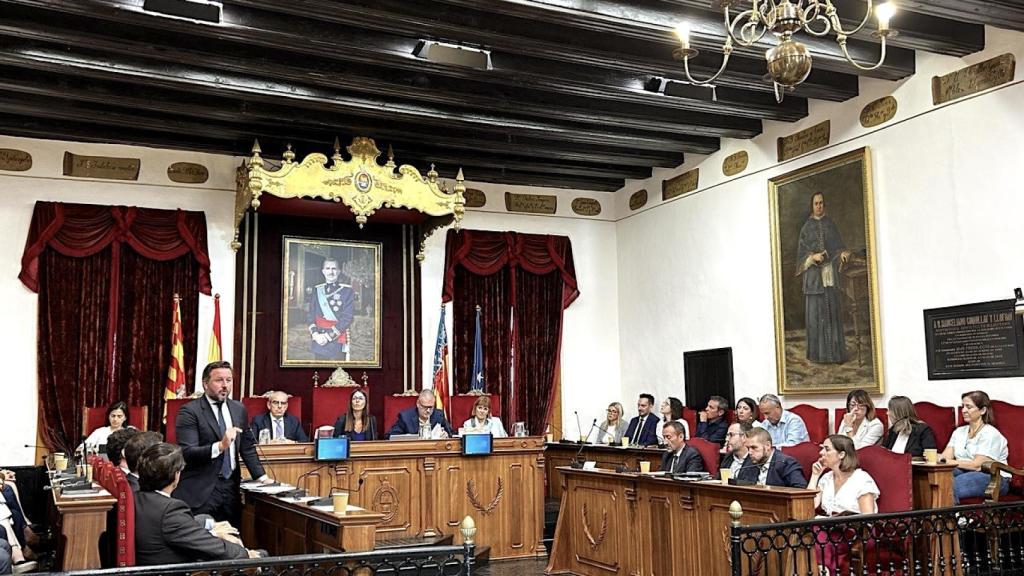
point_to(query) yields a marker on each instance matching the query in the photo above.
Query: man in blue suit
(421, 419)
(767, 466)
(284, 428)
(643, 429)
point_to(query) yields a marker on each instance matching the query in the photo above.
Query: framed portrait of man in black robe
(825, 281)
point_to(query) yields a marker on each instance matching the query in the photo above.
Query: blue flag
(477, 382)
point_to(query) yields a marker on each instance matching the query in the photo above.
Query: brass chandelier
(789, 62)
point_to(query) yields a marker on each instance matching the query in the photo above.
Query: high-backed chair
(96, 417)
(121, 521)
(690, 415)
(816, 420)
(941, 419)
(709, 452)
(256, 405)
(393, 404)
(1009, 419)
(462, 407)
(881, 413)
(893, 475)
(173, 405)
(806, 453)
(330, 402)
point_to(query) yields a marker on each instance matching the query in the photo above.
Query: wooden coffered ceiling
(564, 105)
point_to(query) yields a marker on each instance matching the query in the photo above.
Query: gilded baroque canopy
(360, 183)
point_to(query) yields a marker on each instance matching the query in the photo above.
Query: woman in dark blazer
(908, 434)
(358, 423)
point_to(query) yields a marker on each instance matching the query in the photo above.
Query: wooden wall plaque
(475, 198)
(15, 160)
(685, 182)
(106, 167)
(531, 203)
(188, 173)
(638, 200)
(973, 79)
(878, 112)
(586, 206)
(735, 163)
(804, 141)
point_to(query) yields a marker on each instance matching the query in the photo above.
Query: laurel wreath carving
(595, 542)
(474, 499)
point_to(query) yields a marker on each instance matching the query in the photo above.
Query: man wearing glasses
(422, 420)
(283, 428)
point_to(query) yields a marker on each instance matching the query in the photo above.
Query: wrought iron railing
(978, 540)
(418, 561)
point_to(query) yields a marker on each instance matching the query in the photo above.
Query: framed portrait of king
(330, 303)
(825, 283)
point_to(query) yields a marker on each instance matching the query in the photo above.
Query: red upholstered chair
(941, 419)
(816, 420)
(806, 453)
(329, 403)
(462, 408)
(256, 405)
(730, 416)
(125, 530)
(393, 404)
(893, 475)
(691, 418)
(709, 452)
(880, 413)
(96, 417)
(173, 405)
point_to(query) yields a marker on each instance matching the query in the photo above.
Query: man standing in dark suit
(643, 429)
(165, 530)
(283, 427)
(767, 466)
(211, 437)
(680, 457)
(421, 419)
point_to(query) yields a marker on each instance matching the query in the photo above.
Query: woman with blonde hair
(860, 423)
(612, 429)
(481, 420)
(908, 434)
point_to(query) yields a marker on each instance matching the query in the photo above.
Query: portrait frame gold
(359, 262)
(853, 361)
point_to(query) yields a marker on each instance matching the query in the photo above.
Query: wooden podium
(612, 523)
(283, 527)
(558, 454)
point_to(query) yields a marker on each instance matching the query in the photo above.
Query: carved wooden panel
(592, 511)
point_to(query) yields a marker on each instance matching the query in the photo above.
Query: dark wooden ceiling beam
(1000, 13)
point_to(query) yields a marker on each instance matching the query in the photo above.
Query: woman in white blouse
(974, 444)
(481, 420)
(671, 411)
(117, 418)
(844, 489)
(860, 423)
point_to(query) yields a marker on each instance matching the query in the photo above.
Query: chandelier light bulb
(683, 32)
(884, 13)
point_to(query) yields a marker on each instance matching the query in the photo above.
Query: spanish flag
(175, 387)
(216, 355)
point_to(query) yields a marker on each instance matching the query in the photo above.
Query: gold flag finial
(288, 155)
(256, 147)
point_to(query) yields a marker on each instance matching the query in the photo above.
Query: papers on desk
(654, 473)
(97, 494)
(258, 487)
(349, 508)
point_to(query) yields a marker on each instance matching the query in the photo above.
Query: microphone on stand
(575, 462)
(327, 500)
(561, 435)
(301, 492)
(579, 428)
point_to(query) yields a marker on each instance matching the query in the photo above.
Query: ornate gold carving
(685, 182)
(188, 173)
(878, 112)
(638, 200)
(474, 498)
(385, 500)
(595, 542)
(973, 79)
(735, 163)
(101, 167)
(15, 160)
(804, 141)
(360, 183)
(339, 379)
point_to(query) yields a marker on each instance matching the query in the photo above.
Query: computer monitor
(477, 444)
(332, 449)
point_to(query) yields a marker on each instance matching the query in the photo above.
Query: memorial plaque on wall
(474, 198)
(188, 173)
(531, 203)
(15, 160)
(973, 79)
(878, 112)
(638, 200)
(804, 141)
(101, 167)
(586, 206)
(735, 163)
(974, 341)
(678, 185)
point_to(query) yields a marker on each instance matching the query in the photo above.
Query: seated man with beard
(767, 466)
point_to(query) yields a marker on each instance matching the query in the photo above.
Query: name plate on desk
(974, 341)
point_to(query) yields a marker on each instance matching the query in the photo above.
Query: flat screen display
(477, 444)
(331, 449)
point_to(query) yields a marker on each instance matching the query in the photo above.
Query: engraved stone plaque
(586, 206)
(982, 340)
(878, 112)
(804, 141)
(638, 200)
(685, 182)
(475, 198)
(973, 79)
(531, 203)
(735, 163)
(101, 167)
(15, 160)
(188, 173)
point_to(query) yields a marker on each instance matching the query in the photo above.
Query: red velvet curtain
(522, 282)
(105, 311)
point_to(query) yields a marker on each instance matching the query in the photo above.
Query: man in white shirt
(785, 428)
(735, 447)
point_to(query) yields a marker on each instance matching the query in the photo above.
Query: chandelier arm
(745, 39)
(779, 94)
(726, 51)
(830, 11)
(842, 44)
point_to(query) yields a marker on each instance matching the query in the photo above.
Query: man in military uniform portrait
(330, 315)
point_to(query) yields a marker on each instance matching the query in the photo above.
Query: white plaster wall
(946, 183)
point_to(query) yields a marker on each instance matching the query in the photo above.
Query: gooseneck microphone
(327, 500)
(579, 428)
(575, 462)
(734, 481)
(301, 492)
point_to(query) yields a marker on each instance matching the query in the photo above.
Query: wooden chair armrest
(993, 469)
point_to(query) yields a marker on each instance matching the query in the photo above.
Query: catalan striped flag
(441, 367)
(216, 353)
(175, 387)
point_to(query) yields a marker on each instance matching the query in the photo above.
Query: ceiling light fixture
(789, 62)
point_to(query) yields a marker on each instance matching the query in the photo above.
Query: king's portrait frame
(824, 277)
(330, 313)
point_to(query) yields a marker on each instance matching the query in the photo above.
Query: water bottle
(264, 436)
